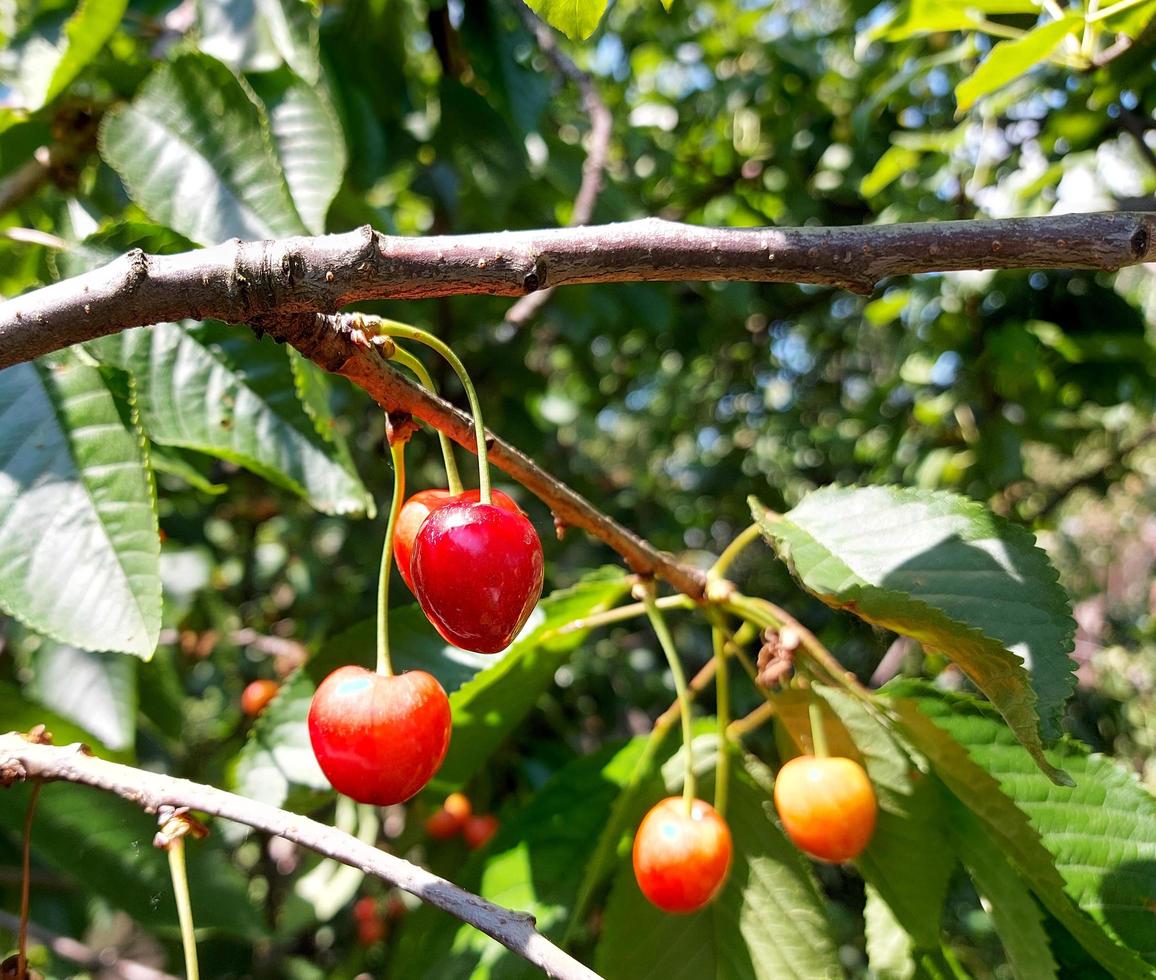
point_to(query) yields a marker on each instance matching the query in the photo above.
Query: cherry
(379, 739)
(681, 858)
(477, 572)
(442, 825)
(371, 928)
(258, 694)
(826, 805)
(414, 512)
(478, 830)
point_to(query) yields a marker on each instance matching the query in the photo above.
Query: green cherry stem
(818, 733)
(391, 328)
(723, 712)
(25, 883)
(407, 360)
(732, 551)
(176, 849)
(667, 643)
(397, 454)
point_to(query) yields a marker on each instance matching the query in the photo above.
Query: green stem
(617, 615)
(26, 884)
(732, 551)
(176, 851)
(818, 733)
(723, 711)
(667, 643)
(391, 328)
(1105, 12)
(406, 359)
(384, 664)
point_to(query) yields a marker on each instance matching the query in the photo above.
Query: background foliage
(179, 124)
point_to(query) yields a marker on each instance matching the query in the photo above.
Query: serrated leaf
(944, 570)
(1009, 60)
(308, 140)
(104, 844)
(217, 390)
(769, 921)
(577, 19)
(194, 151)
(1102, 830)
(1007, 823)
(97, 691)
(79, 547)
(529, 866)
(488, 707)
(1016, 917)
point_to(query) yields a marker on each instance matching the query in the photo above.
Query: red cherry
(827, 806)
(258, 694)
(681, 859)
(414, 512)
(477, 572)
(442, 825)
(379, 739)
(478, 830)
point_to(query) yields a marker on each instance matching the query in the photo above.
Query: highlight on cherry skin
(682, 857)
(827, 806)
(379, 739)
(477, 571)
(418, 507)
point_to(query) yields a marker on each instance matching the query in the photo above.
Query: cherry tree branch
(21, 759)
(240, 281)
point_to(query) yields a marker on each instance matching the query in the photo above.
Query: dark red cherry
(379, 739)
(477, 572)
(414, 512)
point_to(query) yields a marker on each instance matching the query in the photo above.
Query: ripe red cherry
(681, 858)
(379, 739)
(827, 806)
(414, 512)
(256, 695)
(477, 572)
(478, 829)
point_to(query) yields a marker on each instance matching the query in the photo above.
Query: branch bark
(21, 759)
(240, 281)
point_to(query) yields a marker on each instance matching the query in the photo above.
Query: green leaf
(489, 706)
(104, 844)
(577, 19)
(47, 65)
(529, 866)
(194, 151)
(19, 714)
(769, 921)
(113, 241)
(309, 143)
(1016, 916)
(97, 691)
(79, 548)
(1102, 830)
(889, 948)
(1131, 21)
(260, 35)
(893, 164)
(1007, 823)
(216, 390)
(932, 16)
(1011, 59)
(944, 570)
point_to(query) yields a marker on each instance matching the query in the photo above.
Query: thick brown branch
(21, 759)
(240, 281)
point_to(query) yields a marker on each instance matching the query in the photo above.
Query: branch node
(1140, 242)
(138, 269)
(536, 278)
(175, 823)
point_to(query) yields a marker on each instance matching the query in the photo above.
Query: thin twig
(21, 759)
(597, 148)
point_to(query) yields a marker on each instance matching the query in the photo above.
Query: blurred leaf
(889, 948)
(577, 19)
(95, 690)
(113, 241)
(894, 163)
(194, 151)
(1009, 60)
(960, 580)
(769, 921)
(78, 530)
(925, 715)
(258, 35)
(212, 389)
(19, 714)
(929, 16)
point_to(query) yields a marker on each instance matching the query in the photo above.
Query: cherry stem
(732, 551)
(723, 712)
(818, 733)
(26, 885)
(406, 359)
(397, 454)
(667, 643)
(391, 328)
(176, 849)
